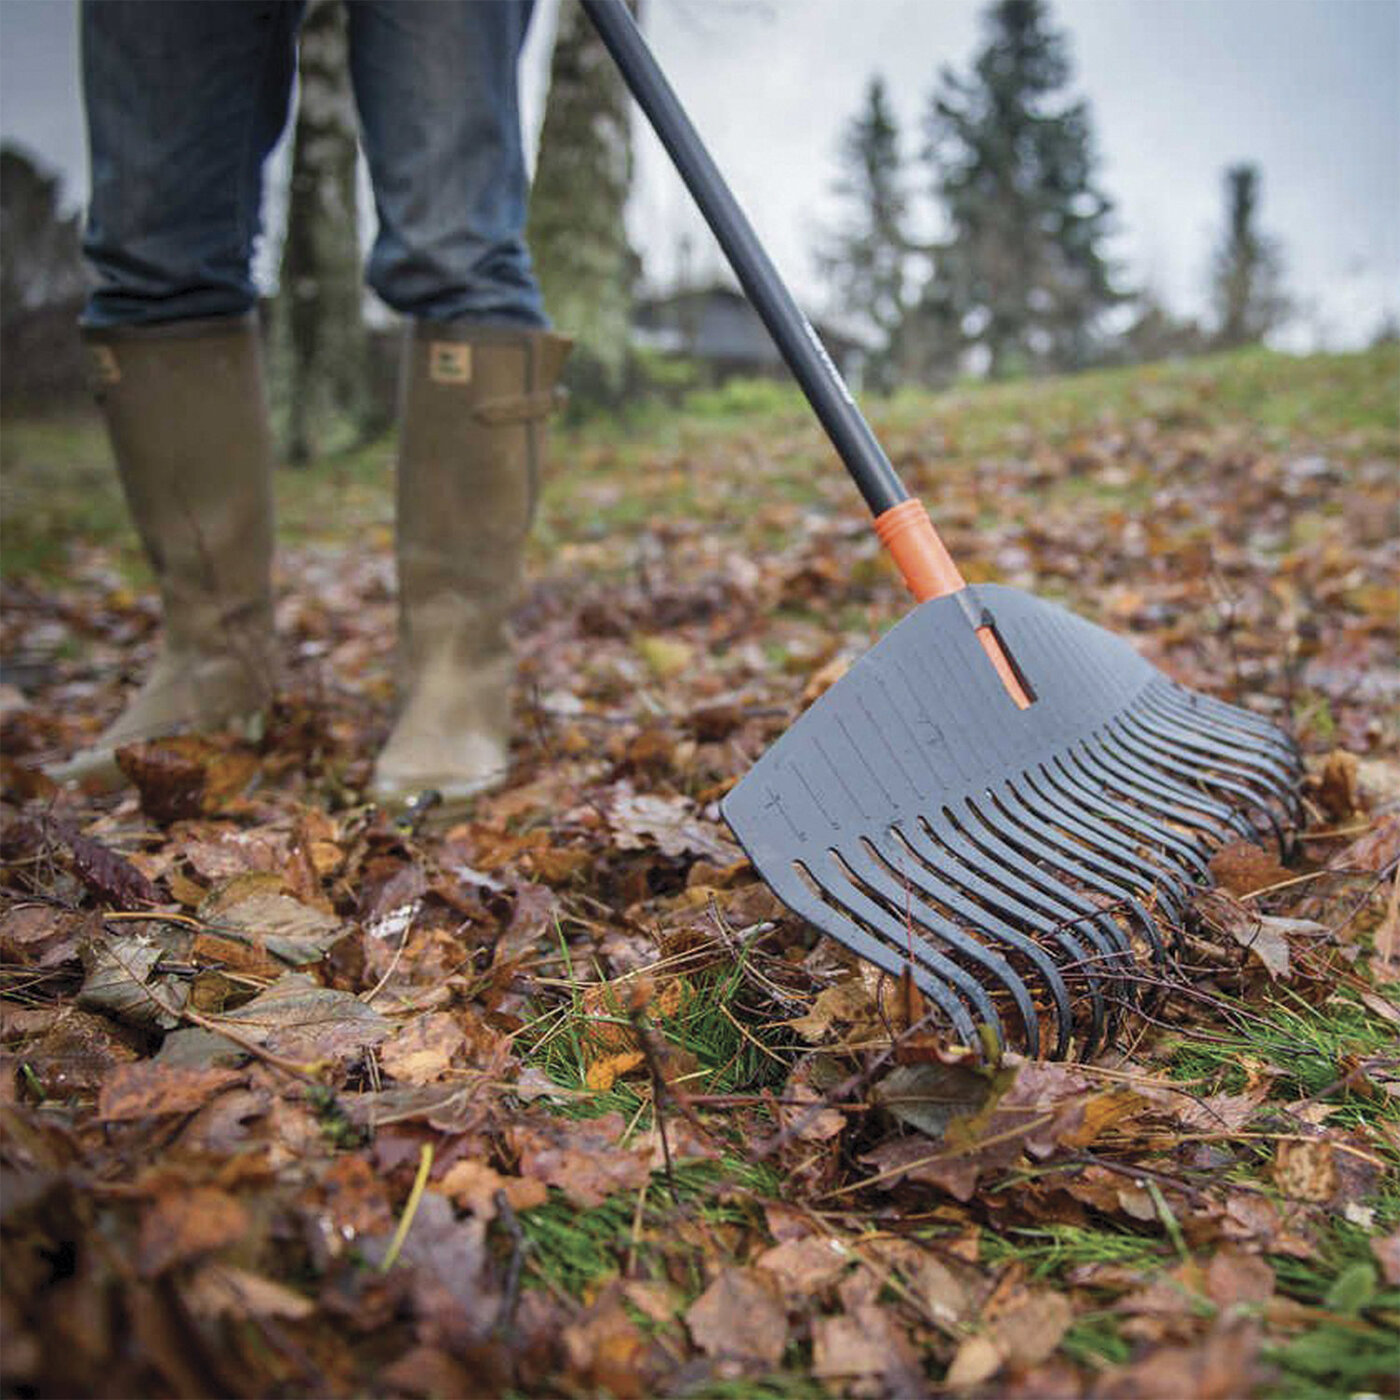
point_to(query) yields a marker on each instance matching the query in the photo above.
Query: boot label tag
(449, 362)
(102, 360)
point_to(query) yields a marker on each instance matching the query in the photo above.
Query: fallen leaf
(147, 1089)
(1387, 1252)
(121, 983)
(220, 1290)
(642, 820)
(585, 1158)
(298, 1019)
(1376, 851)
(185, 775)
(289, 929)
(1241, 867)
(186, 1222)
(1336, 785)
(739, 1318)
(422, 1051)
(806, 1266)
(1305, 1171)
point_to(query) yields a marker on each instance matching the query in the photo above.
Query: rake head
(1025, 867)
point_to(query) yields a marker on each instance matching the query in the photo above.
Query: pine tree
(867, 260)
(1247, 279)
(1022, 272)
(578, 240)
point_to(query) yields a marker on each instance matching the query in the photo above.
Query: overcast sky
(1308, 89)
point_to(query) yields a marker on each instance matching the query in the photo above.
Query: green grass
(733, 1051)
(57, 485)
(1309, 1050)
(576, 1250)
(1051, 1251)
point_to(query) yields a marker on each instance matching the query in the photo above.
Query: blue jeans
(186, 98)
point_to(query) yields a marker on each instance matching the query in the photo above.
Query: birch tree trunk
(320, 303)
(587, 268)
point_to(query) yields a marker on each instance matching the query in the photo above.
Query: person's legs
(184, 101)
(436, 87)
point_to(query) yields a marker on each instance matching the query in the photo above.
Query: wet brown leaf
(739, 1318)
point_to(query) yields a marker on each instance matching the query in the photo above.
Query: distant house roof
(717, 324)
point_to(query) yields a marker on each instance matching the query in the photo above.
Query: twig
(510, 1298)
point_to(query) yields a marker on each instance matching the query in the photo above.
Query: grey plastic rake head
(1001, 797)
(1025, 866)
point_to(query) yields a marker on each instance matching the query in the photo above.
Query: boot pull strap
(520, 408)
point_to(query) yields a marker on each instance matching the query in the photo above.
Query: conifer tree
(1022, 270)
(1247, 279)
(867, 259)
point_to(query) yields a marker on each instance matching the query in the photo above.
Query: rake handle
(799, 344)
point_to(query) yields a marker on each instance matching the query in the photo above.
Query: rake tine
(867, 938)
(907, 901)
(1170, 800)
(869, 911)
(1281, 769)
(1124, 814)
(1161, 878)
(1053, 916)
(1189, 769)
(1219, 757)
(1194, 707)
(975, 907)
(1018, 891)
(1256, 793)
(1234, 745)
(1212, 815)
(1083, 863)
(1110, 943)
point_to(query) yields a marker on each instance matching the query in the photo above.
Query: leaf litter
(636, 1130)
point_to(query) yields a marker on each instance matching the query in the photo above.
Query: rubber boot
(475, 403)
(186, 415)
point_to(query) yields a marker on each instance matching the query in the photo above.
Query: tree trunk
(587, 268)
(319, 304)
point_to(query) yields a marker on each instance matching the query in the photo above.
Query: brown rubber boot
(187, 419)
(475, 405)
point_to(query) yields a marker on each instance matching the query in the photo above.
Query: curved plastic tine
(1099, 763)
(1108, 748)
(809, 899)
(1232, 745)
(1130, 817)
(1190, 770)
(1246, 759)
(957, 892)
(1102, 874)
(863, 913)
(905, 898)
(1052, 917)
(1253, 793)
(1110, 942)
(1216, 758)
(1050, 800)
(898, 931)
(1190, 704)
(1085, 862)
(1015, 889)
(1173, 800)
(1273, 753)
